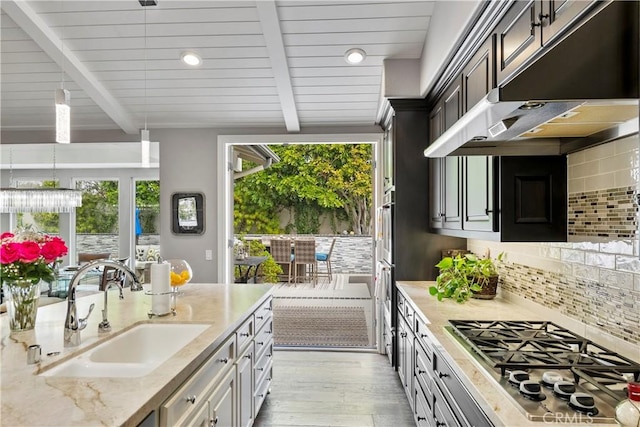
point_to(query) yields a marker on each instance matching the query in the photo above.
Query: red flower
(53, 249)
(29, 251)
(6, 235)
(10, 253)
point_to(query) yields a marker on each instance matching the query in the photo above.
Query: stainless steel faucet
(73, 325)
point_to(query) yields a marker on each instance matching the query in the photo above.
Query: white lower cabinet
(228, 389)
(246, 388)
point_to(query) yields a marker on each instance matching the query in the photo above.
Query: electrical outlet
(208, 255)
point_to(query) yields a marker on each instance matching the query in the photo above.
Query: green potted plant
(466, 276)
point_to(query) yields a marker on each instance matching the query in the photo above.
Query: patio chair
(281, 253)
(326, 258)
(305, 254)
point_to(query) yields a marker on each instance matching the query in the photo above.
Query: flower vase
(22, 304)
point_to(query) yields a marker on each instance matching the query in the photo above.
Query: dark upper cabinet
(533, 192)
(436, 210)
(451, 194)
(530, 25)
(479, 76)
(452, 103)
(509, 199)
(518, 37)
(558, 14)
(479, 189)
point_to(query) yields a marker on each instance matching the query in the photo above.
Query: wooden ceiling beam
(268, 14)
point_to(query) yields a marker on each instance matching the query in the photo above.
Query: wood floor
(321, 388)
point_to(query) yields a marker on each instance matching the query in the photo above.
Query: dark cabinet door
(478, 190)
(452, 103)
(558, 14)
(451, 196)
(533, 199)
(436, 211)
(518, 36)
(479, 76)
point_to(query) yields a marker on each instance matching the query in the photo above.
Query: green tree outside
(309, 180)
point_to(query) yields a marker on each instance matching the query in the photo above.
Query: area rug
(320, 326)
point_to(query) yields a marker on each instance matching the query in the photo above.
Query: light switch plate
(208, 255)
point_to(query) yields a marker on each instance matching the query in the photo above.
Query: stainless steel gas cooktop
(553, 374)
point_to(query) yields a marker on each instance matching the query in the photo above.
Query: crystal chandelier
(15, 200)
(40, 199)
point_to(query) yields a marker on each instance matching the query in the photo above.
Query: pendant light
(63, 106)
(41, 199)
(144, 133)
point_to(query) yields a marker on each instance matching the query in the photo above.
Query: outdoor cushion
(320, 256)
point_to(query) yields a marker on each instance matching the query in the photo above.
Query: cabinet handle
(260, 343)
(269, 355)
(421, 419)
(259, 317)
(225, 360)
(261, 395)
(423, 335)
(244, 334)
(441, 375)
(420, 372)
(439, 424)
(247, 356)
(191, 399)
(403, 334)
(488, 211)
(260, 369)
(268, 308)
(214, 421)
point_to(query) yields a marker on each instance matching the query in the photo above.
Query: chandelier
(39, 199)
(64, 200)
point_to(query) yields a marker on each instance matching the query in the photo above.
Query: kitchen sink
(134, 353)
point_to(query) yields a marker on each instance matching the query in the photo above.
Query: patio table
(245, 265)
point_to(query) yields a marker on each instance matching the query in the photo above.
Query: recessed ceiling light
(191, 58)
(355, 56)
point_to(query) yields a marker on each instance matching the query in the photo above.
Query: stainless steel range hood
(581, 92)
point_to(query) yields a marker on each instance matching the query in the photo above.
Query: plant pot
(22, 304)
(489, 290)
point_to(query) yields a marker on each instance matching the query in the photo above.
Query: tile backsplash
(595, 277)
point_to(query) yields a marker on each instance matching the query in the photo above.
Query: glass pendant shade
(145, 148)
(63, 116)
(15, 200)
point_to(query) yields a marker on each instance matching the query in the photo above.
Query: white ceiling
(265, 63)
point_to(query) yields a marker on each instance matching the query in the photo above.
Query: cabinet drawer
(459, 399)
(191, 395)
(423, 336)
(263, 314)
(442, 413)
(244, 334)
(423, 409)
(263, 363)
(262, 389)
(264, 338)
(423, 373)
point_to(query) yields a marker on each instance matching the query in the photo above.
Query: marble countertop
(29, 399)
(481, 385)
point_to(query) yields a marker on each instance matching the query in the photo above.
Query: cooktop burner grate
(510, 345)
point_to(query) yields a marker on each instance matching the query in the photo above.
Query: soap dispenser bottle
(628, 411)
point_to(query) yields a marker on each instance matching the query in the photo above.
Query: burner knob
(516, 377)
(549, 378)
(564, 389)
(531, 389)
(583, 402)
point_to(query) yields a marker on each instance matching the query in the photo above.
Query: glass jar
(628, 411)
